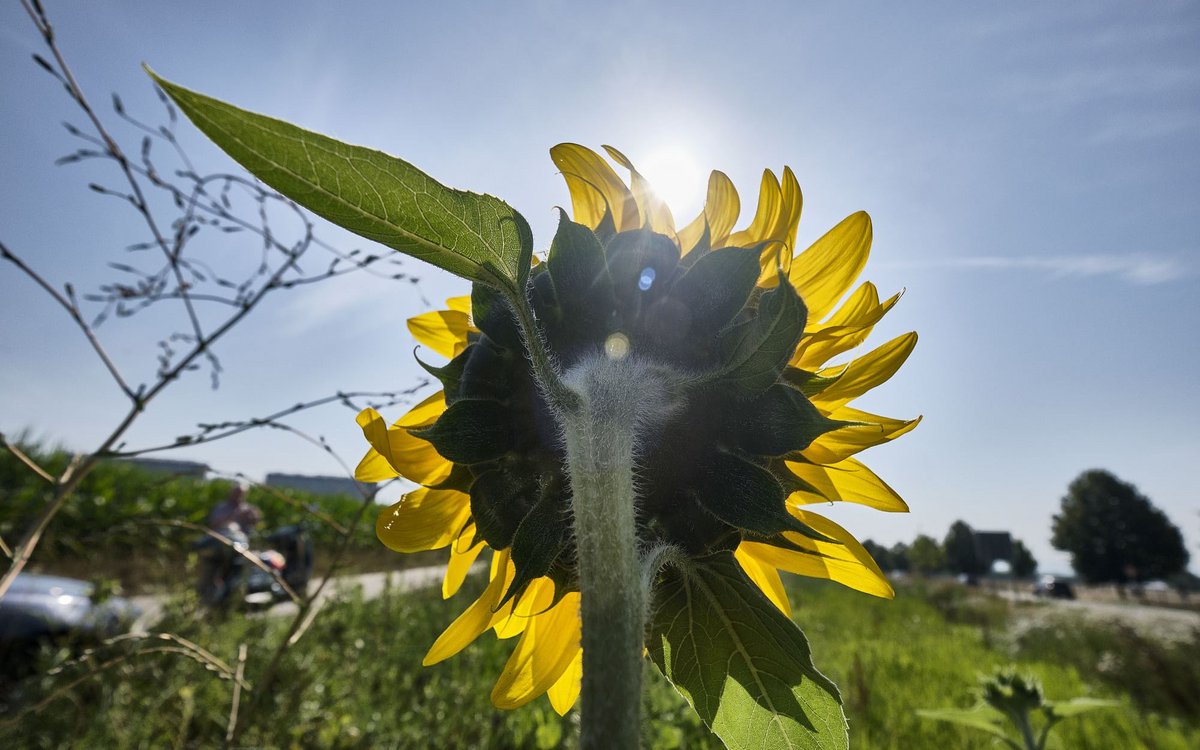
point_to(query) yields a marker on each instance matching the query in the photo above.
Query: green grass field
(355, 680)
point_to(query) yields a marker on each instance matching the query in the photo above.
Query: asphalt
(372, 585)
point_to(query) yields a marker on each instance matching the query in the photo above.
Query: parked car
(1053, 588)
(41, 609)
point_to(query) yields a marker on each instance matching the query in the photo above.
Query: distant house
(170, 466)
(318, 485)
(991, 546)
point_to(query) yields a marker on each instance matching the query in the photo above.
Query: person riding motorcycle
(234, 519)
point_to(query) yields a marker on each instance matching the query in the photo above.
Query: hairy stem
(545, 370)
(616, 401)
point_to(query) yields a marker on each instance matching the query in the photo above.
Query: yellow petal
(546, 649)
(474, 621)
(595, 188)
(770, 203)
(789, 213)
(565, 692)
(847, 563)
(865, 372)
(462, 556)
(844, 442)
(411, 457)
(424, 413)
(444, 331)
(721, 209)
(654, 211)
(827, 269)
(374, 468)
(846, 481)
(460, 304)
(512, 618)
(848, 327)
(423, 519)
(766, 578)
(781, 240)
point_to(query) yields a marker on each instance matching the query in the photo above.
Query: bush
(114, 516)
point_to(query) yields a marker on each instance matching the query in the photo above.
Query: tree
(961, 554)
(926, 555)
(1023, 562)
(1114, 533)
(880, 554)
(899, 557)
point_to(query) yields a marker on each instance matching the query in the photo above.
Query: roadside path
(1162, 622)
(373, 584)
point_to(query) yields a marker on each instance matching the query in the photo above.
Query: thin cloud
(1144, 270)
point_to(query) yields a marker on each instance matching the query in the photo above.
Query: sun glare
(677, 179)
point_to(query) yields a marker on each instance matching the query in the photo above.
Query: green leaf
(380, 197)
(755, 353)
(1076, 706)
(470, 431)
(982, 717)
(741, 663)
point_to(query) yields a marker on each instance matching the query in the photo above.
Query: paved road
(1162, 622)
(373, 584)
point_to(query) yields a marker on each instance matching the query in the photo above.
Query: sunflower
(736, 469)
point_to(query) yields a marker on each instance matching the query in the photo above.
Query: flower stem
(616, 399)
(545, 372)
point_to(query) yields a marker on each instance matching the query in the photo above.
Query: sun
(677, 179)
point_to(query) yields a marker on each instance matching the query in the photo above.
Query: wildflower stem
(616, 399)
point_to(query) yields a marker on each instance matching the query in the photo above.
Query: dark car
(1054, 588)
(41, 609)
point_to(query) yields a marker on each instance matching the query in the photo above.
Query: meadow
(355, 680)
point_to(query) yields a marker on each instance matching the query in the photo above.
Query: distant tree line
(957, 553)
(1112, 532)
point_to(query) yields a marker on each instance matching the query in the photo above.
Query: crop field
(355, 679)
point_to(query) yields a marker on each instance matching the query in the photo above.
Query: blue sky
(1032, 170)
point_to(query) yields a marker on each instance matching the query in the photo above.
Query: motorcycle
(227, 578)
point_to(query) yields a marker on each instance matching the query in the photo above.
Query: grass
(355, 681)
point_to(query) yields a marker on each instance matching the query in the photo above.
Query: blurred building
(318, 485)
(170, 466)
(991, 546)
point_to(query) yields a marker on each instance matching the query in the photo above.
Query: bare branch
(68, 303)
(29, 463)
(136, 197)
(210, 432)
(181, 646)
(237, 695)
(200, 653)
